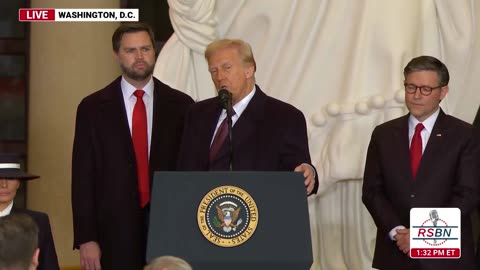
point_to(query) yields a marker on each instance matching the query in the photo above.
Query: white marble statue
(341, 63)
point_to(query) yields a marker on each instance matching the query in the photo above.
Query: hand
(308, 174)
(90, 254)
(403, 240)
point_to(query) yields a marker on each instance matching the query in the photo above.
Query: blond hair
(168, 263)
(244, 50)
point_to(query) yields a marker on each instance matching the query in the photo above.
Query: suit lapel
(115, 117)
(243, 130)
(157, 136)
(250, 119)
(400, 144)
(212, 114)
(161, 147)
(434, 145)
(205, 137)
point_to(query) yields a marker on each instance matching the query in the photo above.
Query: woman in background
(10, 178)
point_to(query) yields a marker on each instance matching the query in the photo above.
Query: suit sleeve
(83, 177)
(373, 195)
(48, 256)
(466, 189)
(295, 149)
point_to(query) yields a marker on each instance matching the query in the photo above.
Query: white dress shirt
(426, 131)
(7, 210)
(238, 108)
(130, 100)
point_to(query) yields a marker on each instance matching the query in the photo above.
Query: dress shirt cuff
(393, 232)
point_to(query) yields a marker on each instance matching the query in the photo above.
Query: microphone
(226, 101)
(225, 98)
(434, 218)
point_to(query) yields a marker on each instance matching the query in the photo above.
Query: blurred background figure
(18, 243)
(168, 263)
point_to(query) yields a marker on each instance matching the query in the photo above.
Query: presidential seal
(227, 216)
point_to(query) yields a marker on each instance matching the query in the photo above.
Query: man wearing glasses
(423, 159)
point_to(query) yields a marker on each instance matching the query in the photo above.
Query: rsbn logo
(435, 233)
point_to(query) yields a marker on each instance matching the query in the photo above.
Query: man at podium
(266, 134)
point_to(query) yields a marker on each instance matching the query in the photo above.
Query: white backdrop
(341, 63)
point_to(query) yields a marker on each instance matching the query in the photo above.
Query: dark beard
(131, 73)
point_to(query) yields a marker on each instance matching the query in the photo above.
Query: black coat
(105, 197)
(270, 135)
(448, 176)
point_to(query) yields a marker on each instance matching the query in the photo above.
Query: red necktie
(416, 149)
(140, 144)
(219, 139)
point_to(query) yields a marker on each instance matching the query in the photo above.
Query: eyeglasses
(424, 90)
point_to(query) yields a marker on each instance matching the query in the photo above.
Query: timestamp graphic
(435, 233)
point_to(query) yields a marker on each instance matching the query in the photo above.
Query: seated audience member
(18, 243)
(10, 178)
(168, 263)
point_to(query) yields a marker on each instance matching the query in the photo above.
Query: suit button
(412, 195)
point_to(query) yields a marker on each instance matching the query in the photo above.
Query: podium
(231, 220)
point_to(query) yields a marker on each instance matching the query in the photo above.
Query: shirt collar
(7, 210)
(242, 104)
(128, 89)
(427, 123)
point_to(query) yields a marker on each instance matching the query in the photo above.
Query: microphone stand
(229, 122)
(226, 101)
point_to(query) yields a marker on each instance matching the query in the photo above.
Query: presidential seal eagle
(228, 217)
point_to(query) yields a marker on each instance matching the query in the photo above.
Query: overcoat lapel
(114, 117)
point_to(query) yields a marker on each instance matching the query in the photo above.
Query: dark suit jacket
(47, 259)
(476, 121)
(105, 197)
(448, 176)
(270, 135)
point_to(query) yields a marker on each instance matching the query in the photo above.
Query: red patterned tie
(140, 144)
(416, 149)
(219, 139)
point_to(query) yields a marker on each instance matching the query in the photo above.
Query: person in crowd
(124, 132)
(267, 134)
(11, 177)
(168, 263)
(423, 159)
(18, 243)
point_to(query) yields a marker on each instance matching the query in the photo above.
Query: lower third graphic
(437, 234)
